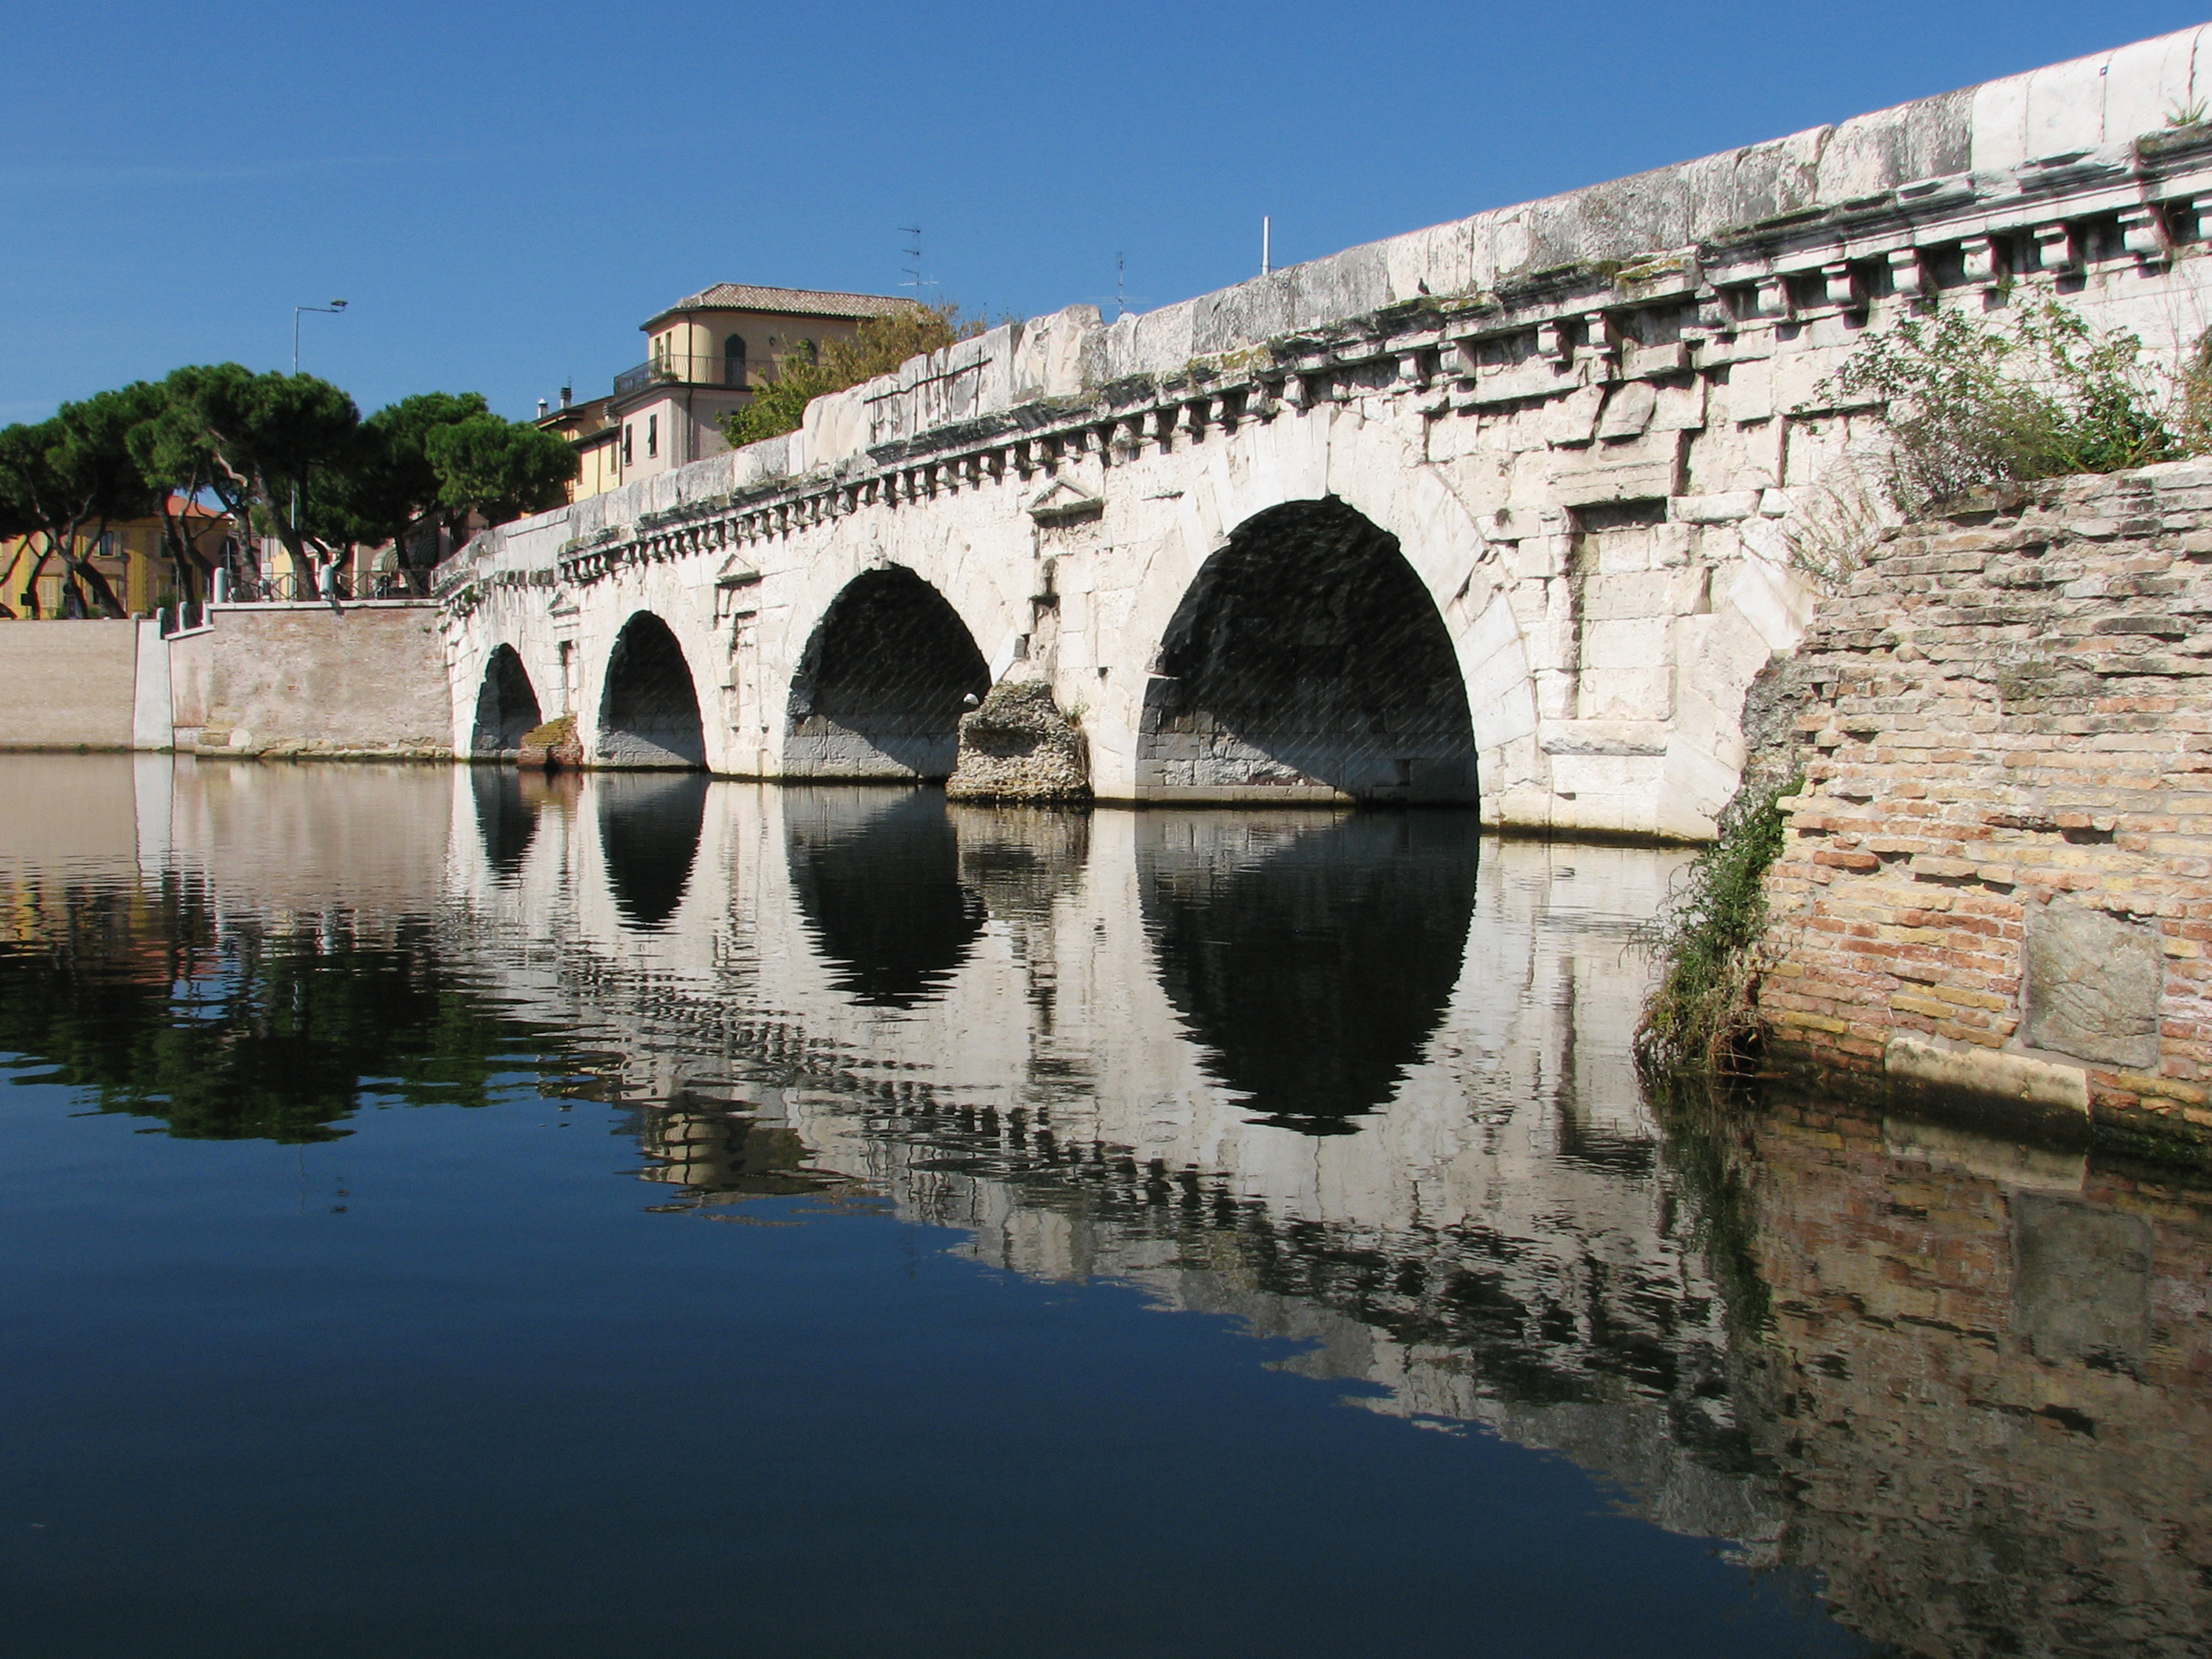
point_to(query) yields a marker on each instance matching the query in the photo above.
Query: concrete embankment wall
(368, 681)
(1998, 875)
(68, 684)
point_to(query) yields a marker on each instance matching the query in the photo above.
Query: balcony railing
(680, 369)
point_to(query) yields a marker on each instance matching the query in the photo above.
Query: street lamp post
(329, 310)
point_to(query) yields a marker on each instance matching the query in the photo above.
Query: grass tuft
(1707, 938)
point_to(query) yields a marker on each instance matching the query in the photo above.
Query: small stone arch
(883, 683)
(1308, 660)
(650, 707)
(506, 705)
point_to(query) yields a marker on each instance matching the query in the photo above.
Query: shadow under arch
(507, 706)
(881, 686)
(649, 836)
(1313, 958)
(507, 817)
(878, 880)
(649, 709)
(1308, 653)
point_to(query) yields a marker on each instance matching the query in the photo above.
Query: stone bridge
(1509, 510)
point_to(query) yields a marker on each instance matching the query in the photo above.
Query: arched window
(734, 360)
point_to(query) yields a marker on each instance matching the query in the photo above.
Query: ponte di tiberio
(1510, 511)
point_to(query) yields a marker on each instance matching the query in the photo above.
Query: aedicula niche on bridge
(1504, 510)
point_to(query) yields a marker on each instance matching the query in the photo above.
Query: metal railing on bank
(291, 588)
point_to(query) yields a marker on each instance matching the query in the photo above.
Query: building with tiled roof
(705, 354)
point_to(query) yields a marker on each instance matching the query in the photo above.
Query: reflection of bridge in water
(1379, 1104)
(1362, 1081)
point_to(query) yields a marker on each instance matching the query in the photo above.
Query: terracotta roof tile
(801, 302)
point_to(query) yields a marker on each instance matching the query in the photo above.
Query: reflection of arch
(649, 834)
(506, 706)
(1314, 960)
(506, 821)
(879, 884)
(649, 712)
(880, 688)
(1309, 652)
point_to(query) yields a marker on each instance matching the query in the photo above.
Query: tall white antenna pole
(1266, 246)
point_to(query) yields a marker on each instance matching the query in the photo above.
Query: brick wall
(1999, 873)
(1987, 1386)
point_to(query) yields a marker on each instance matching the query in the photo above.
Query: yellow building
(593, 432)
(704, 355)
(129, 555)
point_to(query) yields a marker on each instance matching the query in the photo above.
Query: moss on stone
(552, 745)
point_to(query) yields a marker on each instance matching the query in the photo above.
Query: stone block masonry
(1998, 874)
(278, 681)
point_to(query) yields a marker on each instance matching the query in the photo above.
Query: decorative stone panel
(2093, 986)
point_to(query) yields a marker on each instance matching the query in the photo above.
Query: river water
(450, 1213)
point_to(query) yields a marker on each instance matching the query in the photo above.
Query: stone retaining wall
(68, 684)
(1998, 875)
(368, 681)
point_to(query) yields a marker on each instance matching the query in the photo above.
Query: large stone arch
(1312, 959)
(650, 833)
(506, 704)
(1371, 468)
(882, 682)
(648, 704)
(1307, 655)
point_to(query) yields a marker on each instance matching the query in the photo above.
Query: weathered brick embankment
(1998, 875)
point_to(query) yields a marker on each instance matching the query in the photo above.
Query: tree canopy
(66, 479)
(288, 455)
(500, 469)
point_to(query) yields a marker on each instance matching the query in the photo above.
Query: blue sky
(504, 192)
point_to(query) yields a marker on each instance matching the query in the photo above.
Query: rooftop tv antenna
(1267, 246)
(913, 252)
(1120, 295)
